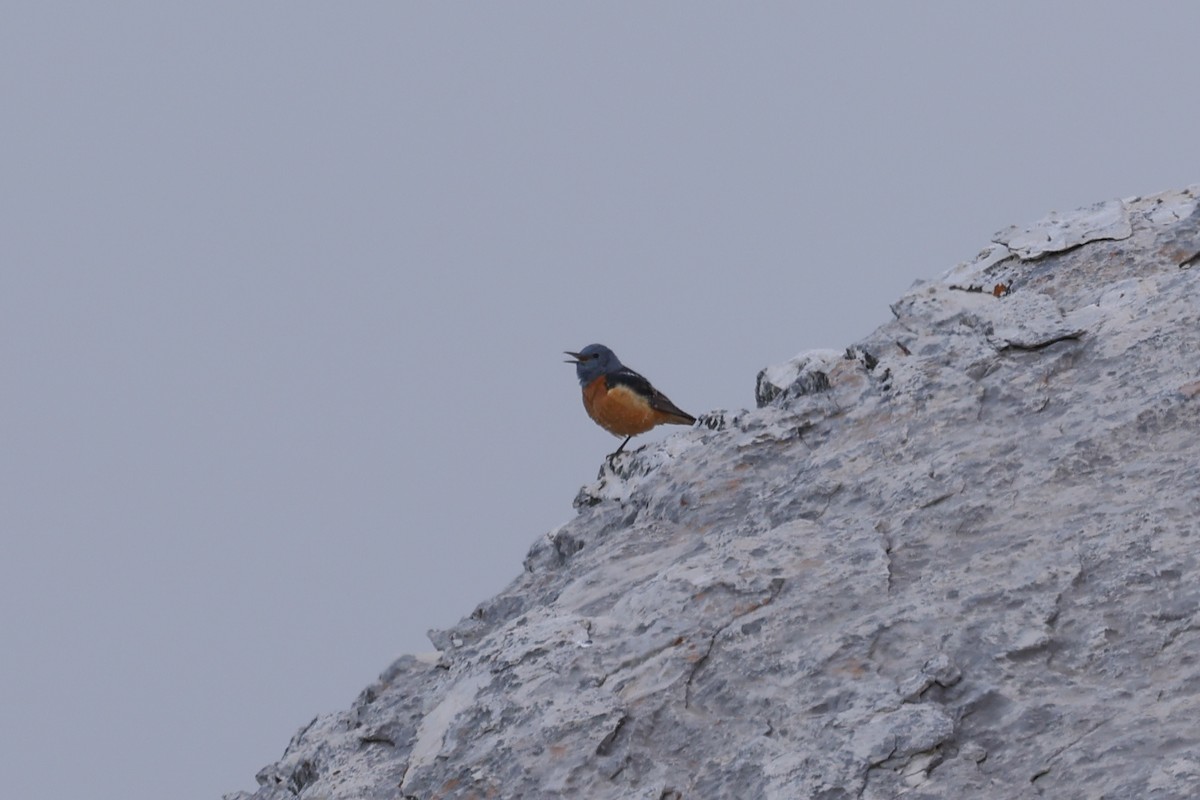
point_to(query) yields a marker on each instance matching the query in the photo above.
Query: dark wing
(658, 401)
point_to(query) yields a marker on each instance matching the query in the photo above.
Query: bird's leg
(617, 452)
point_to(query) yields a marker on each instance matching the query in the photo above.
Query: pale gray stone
(1057, 232)
(963, 564)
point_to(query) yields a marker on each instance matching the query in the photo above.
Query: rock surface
(957, 560)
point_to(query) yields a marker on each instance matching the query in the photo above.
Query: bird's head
(593, 361)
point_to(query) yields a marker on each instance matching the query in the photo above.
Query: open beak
(574, 357)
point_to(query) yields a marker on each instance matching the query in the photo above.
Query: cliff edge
(958, 559)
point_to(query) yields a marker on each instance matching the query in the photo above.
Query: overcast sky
(284, 289)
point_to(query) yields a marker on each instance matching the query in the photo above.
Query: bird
(620, 400)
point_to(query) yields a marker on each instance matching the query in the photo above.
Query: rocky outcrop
(958, 559)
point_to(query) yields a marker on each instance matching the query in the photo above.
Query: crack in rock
(775, 587)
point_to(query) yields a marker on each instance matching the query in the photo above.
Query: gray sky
(284, 289)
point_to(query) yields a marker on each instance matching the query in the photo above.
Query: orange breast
(620, 410)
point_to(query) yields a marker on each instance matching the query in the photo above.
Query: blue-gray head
(593, 361)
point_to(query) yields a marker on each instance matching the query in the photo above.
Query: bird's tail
(673, 415)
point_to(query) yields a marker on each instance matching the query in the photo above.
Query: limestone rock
(962, 564)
